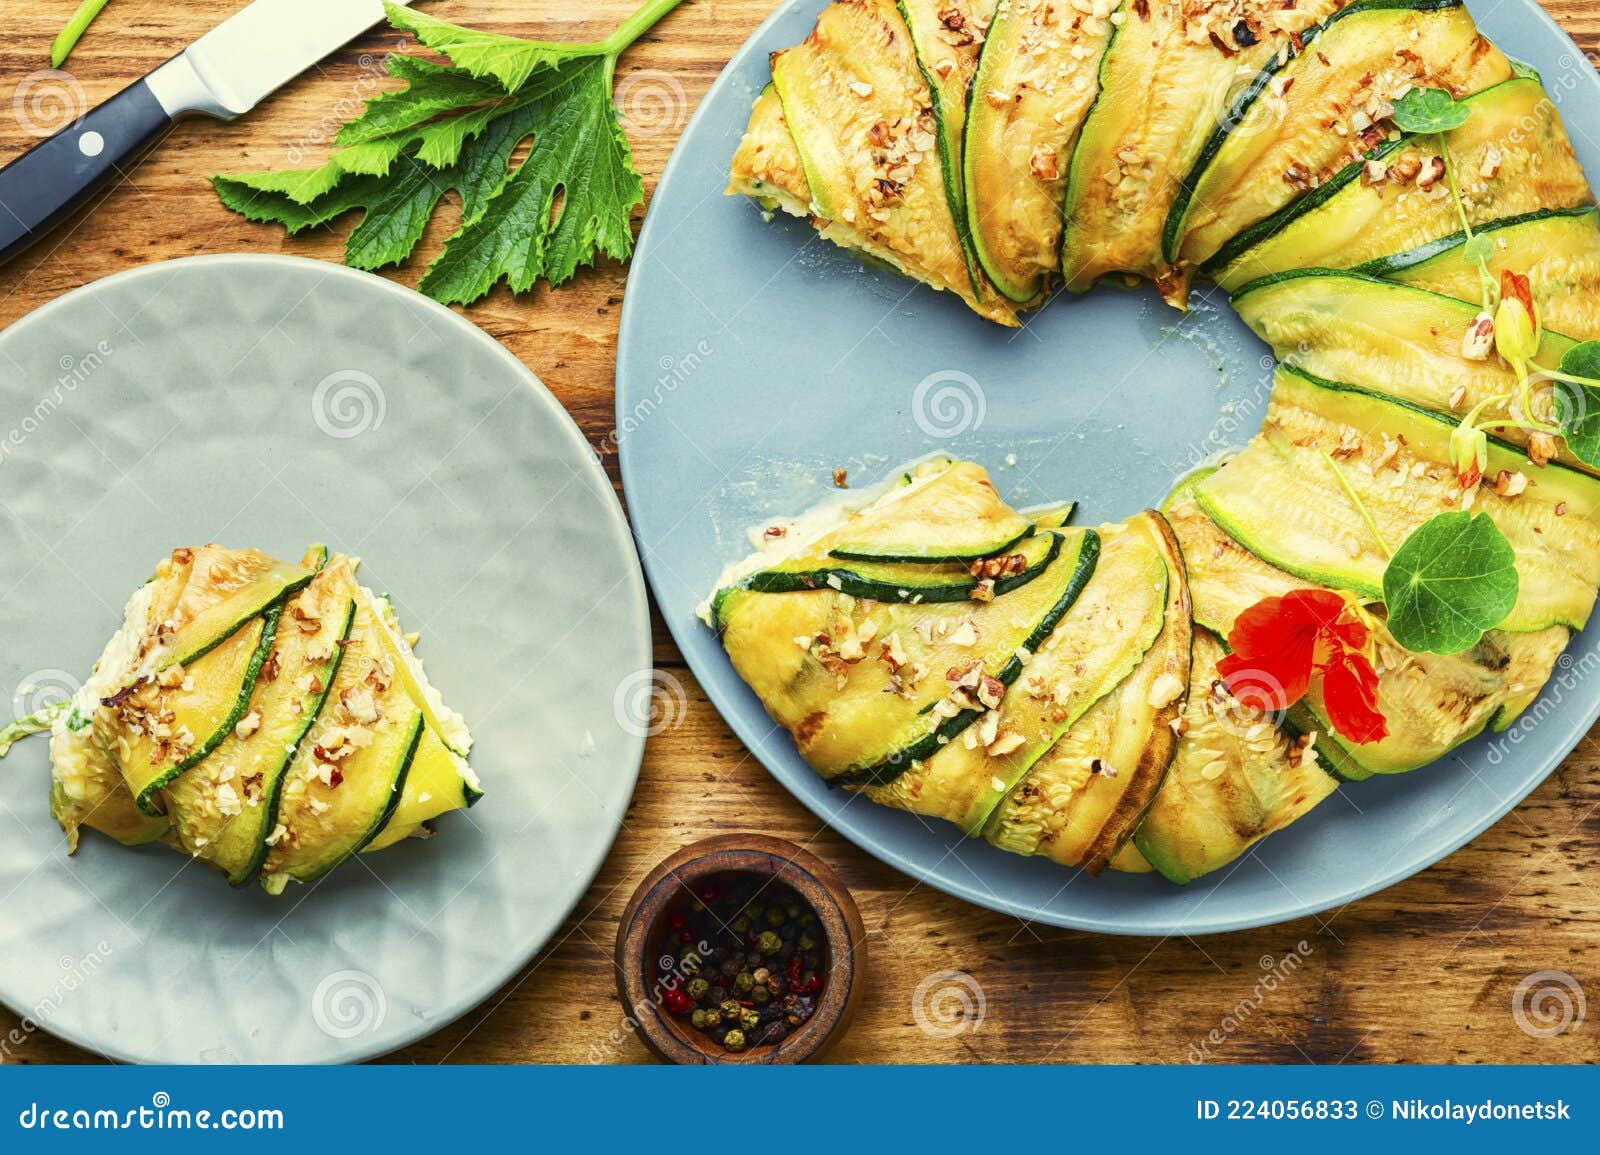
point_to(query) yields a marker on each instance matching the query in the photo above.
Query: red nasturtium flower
(1280, 644)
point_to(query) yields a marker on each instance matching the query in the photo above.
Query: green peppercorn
(808, 919)
(698, 989)
(776, 916)
(699, 1018)
(792, 910)
(734, 1040)
(697, 906)
(769, 943)
(742, 982)
(760, 995)
(731, 1008)
(713, 1017)
(749, 1018)
(761, 975)
(741, 925)
(807, 942)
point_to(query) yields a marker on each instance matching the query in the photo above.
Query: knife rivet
(91, 144)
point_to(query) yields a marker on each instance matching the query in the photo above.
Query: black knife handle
(49, 181)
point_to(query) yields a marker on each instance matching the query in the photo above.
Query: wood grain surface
(1424, 972)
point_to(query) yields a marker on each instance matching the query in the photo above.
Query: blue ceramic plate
(273, 402)
(755, 358)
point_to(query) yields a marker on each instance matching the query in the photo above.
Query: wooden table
(1424, 972)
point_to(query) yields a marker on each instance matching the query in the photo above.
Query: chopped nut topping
(1431, 172)
(1493, 158)
(1542, 449)
(839, 479)
(861, 88)
(1510, 484)
(248, 725)
(1165, 690)
(1478, 343)
(1044, 163)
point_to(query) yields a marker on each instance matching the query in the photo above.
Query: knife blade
(224, 74)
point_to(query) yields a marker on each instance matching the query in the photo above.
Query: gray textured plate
(273, 402)
(755, 358)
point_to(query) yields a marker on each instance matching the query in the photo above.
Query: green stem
(1486, 283)
(67, 39)
(637, 25)
(1455, 188)
(1355, 499)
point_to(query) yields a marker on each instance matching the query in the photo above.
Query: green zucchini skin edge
(932, 558)
(966, 165)
(954, 189)
(1312, 201)
(1266, 229)
(896, 764)
(284, 595)
(382, 820)
(269, 634)
(1178, 215)
(858, 586)
(275, 795)
(1411, 258)
(1075, 174)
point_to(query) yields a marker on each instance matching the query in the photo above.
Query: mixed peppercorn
(741, 960)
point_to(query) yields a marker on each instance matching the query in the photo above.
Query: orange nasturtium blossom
(1280, 644)
(1518, 330)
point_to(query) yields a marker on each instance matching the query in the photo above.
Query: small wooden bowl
(673, 1038)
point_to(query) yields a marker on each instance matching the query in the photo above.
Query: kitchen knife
(225, 73)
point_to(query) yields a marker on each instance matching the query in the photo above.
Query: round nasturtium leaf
(1429, 110)
(1452, 579)
(1577, 403)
